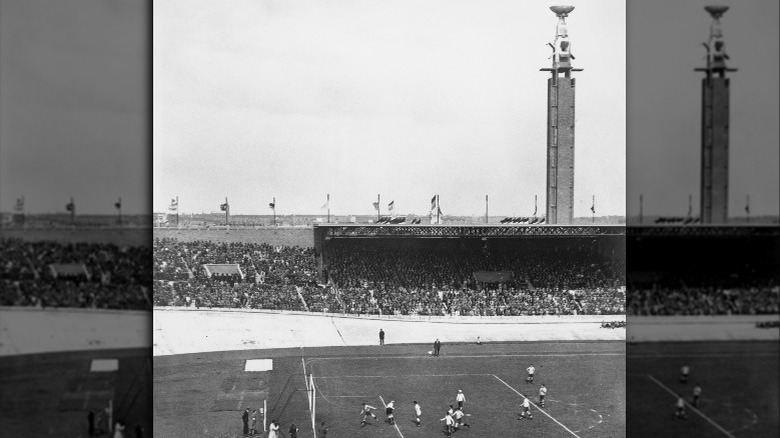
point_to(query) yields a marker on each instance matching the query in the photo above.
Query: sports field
(51, 394)
(739, 383)
(585, 380)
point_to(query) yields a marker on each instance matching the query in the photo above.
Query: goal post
(312, 392)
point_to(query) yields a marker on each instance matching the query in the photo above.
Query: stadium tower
(560, 125)
(715, 125)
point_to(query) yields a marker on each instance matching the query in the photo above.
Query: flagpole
(177, 212)
(327, 203)
(640, 208)
(72, 212)
(274, 209)
(536, 206)
(120, 211)
(438, 210)
(690, 205)
(378, 208)
(23, 212)
(593, 210)
(486, 208)
(227, 210)
(747, 208)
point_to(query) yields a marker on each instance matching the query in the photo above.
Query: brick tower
(560, 125)
(715, 125)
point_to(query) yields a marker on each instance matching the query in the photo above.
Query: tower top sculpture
(716, 45)
(561, 46)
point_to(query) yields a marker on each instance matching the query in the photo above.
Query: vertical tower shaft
(560, 125)
(560, 150)
(715, 150)
(714, 198)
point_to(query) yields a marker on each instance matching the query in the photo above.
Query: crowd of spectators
(363, 278)
(722, 292)
(112, 277)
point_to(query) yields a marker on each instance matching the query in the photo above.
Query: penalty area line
(394, 423)
(537, 407)
(725, 432)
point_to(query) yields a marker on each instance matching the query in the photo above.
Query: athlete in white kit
(526, 409)
(460, 398)
(531, 370)
(684, 371)
(418, 412)
(542, 393)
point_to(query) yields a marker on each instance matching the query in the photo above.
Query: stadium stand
(393, 277)
(89, 275)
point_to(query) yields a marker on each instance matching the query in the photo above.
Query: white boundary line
(405, 375)
(691, 406)
(394, 423)
(715, 355)
(464, 356)
(537, 407)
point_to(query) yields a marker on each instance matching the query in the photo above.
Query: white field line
(537, 407)
(405, 375)
(394, 422)
(725, 432)
(464, 356)
(705, 355)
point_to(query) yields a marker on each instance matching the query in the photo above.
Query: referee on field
(381, 337)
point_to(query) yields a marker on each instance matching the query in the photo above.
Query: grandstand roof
(456, 231)
(698, 230)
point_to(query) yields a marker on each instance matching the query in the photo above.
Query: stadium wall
(117, 236)
(700, 328)
(188, 330)
(289, 236)
(27, 330)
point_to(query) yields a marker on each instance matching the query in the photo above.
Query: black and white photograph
(368, 220)
(703, 240)
(75, 219)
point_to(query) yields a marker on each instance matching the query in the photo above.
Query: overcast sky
(407, 99)
(664, 104)
(74, 105)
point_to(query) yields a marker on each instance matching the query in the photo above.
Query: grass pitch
(586, 389)
(739, 383)
(50, 394)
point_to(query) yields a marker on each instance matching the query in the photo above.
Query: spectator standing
(381, 337)
(245, 419)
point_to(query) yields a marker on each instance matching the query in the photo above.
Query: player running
(460, 398)
(542, 394)
(366, 411)
(680, 414)
(696, 395)
(418, 412)
(526, 409)
(531, 370)
(449, 424)
(459, 416)
(684, 371)
(389, 411)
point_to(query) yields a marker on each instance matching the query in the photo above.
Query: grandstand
(705, 297)
(74, 340)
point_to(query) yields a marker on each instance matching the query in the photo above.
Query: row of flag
(70, 206)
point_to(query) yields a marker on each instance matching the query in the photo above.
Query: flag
(19, 204)
(376, 206)
(390, 205)
(271, 205)
(70, 206)
(593, 208)
(223, 207)
(325, 206)
(433, 203)
(438, 211)
(174, 205)
(118, 204)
